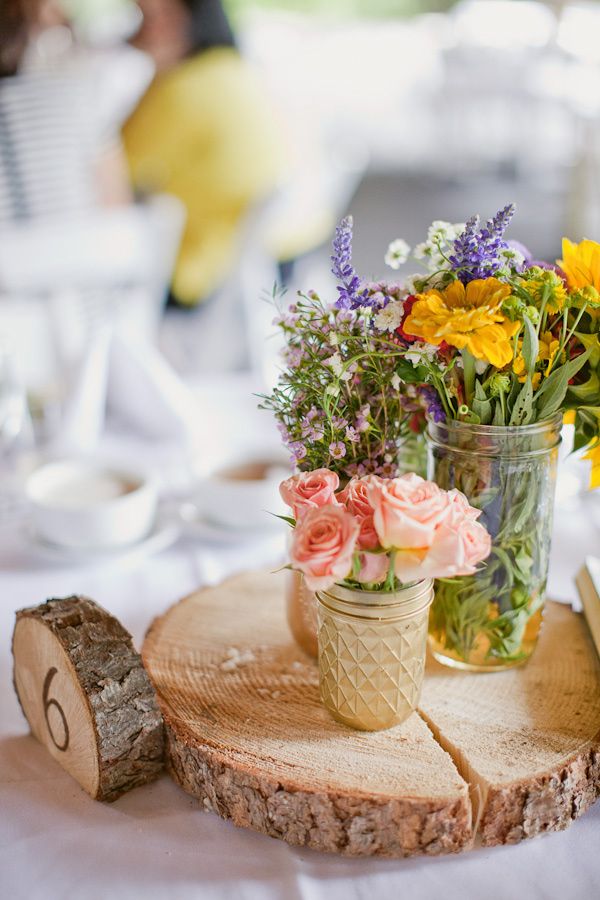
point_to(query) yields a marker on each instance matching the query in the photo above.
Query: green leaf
(531, 346)
(522, 413)
(554, 388)
(498, 415)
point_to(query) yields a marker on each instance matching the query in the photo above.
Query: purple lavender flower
(476, 251)
(432, 403)
(350, 294)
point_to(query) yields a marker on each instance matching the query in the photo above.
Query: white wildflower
(397, 253)
(395, 380)
(346, 376)
(422, 250)
(333, 390)
(335, 363)
(390, 317)
(480, 366)
(333, 339)
(412, 283)
(420, 351)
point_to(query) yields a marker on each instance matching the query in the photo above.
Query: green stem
(391, 575)
(469, 370)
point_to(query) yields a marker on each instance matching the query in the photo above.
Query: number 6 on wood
(86, 695)
(47, 705)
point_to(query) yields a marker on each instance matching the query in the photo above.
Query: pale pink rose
(309, 490)
(355, 498)
(458, 548)
(373, 568)
(412, 565)
(323, 544)
(461, 506)
(407, 511)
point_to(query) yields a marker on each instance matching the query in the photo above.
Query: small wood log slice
(248, 736)
(86, 695)
(526, 739)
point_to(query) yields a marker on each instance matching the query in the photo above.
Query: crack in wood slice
(526, 739)
(87, 696)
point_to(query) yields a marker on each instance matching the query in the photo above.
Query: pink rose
(309, 490)
(323, 545)
(355, 498)
(461, 506)
(373, 567)
(458, 548)
(407, 511)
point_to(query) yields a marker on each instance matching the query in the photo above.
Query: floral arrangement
(483, 335)
(380, 533)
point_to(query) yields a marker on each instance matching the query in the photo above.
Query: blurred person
(56, 157)
(204, 132)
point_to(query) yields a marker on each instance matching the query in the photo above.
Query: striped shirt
(49, 144)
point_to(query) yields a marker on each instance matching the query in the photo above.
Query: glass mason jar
(301, 607)
(491, 620)
(372, 653)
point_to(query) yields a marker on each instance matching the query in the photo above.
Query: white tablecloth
(55, 842)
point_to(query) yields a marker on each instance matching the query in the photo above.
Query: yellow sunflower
(468, 317)
(581, 264)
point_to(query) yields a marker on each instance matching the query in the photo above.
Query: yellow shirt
(205, 132)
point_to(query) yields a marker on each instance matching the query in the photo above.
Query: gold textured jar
(301, 608)
(372, 653)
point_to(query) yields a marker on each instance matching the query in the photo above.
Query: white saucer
(163, 534)
(198, 525)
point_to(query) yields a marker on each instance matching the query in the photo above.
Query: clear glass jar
(372, 653)
(301, 608)
(412, 454)
(491, 620)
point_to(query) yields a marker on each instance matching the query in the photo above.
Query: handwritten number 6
(47, 704)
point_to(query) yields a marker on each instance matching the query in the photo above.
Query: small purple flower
(298, 451)
(432, 403)
(349, 290)
(388, 470)
(476, 251)
(352, 435)
(337, 449)
(339, 422)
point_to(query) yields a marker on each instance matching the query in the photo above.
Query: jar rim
(535, 428)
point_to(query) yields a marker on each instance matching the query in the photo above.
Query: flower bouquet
(485, 349)
(370, 551)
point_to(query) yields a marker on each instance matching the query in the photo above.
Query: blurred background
(164, 163)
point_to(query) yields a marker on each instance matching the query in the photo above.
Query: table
(55, 842)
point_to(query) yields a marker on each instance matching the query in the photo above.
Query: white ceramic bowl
(242, 496)
(85, 505)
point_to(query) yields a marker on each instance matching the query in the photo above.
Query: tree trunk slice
(247, 735)
(526, 739)
(86, 695)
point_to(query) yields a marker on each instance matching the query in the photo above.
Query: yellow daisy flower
(581, 264)
(546, 353)
(468, 317)
(548, 349)
(594, 456)
(557, 295)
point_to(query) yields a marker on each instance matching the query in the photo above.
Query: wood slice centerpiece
(501, 756)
